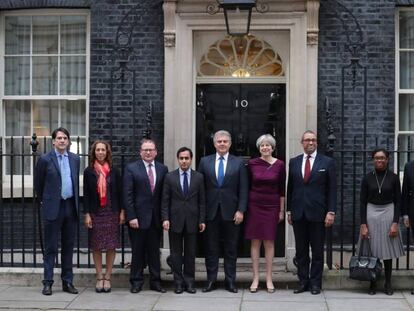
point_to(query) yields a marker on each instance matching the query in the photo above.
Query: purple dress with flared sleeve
(267, 185)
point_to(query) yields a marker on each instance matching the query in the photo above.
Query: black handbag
(365, 268)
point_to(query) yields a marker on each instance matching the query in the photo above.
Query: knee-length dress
(267, 185)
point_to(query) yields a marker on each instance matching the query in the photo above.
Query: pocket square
(322, 170)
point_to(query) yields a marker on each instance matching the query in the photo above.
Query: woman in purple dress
(102, 209)
(266, 207)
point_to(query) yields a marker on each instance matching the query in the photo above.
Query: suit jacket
(183, 210)
(232, 195)
(139, 201)
(48, 183)
(317, 197)
(91, 202)
(407, 198)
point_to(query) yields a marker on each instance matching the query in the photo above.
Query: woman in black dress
(380, 213)
(102, 209)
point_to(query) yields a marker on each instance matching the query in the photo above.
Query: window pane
(73, 116)
(45, 34)
(21, 156)
(406, 70)
(17, 31)
(72, 75)
(17, 75)
(17, 114)
(45, 72)
(73, 34)
(45, 117)
(406, 112)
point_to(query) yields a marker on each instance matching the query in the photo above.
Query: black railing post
(34, 143)
(23, 209)
(11, 201)
(1, 204)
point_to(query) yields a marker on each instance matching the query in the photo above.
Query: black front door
(247, 111)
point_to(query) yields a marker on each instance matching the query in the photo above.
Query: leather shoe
(178, 289)
(315, 290)
(211, 285)
(157, 288)
(47, 289)
(231, 287)
(69, 288)
(190, 289)
(301, 289)
(388, 289)
(412, 291)
(135, 288)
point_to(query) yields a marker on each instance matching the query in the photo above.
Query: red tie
(151, 178)
(307, 170)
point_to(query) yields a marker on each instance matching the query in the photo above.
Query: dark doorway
(246, 111)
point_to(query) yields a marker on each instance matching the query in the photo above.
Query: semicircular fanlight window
(241, 57)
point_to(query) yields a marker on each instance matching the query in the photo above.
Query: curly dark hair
(92, 156)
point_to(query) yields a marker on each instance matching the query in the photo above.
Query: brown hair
(92, 156)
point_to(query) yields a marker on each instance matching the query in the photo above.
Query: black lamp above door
(237, 14)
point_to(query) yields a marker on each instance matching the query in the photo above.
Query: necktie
(185, 184)
(151, 177)
(307, 169)
(220, 172)
(66, 180)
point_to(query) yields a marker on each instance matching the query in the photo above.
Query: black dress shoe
(69, 288)
(209, 287)
(135, 288)
(388, 290)
(178, 289)
(190, 289)
(301, 289)
(372, 289)
(47, 289)
(157, 288)
(412, 291)
(231, 287)
(315, 290)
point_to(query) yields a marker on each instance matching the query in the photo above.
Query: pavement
(30, 298)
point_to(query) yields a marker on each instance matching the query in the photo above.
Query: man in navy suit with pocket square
(143, 180)
(311, 206)
(57, 187)
(183, 213)
(226, 183)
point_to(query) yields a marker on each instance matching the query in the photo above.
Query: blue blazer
(313, 200)
(48, 183)
(139, 201)
(232, 195)
(407, 197)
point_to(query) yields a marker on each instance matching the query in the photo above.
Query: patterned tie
(185, 184)
(307, 169)
(151, 178)
(220, 173)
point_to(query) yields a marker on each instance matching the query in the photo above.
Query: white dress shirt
(226, 156)
(154, 172)
(311, 159)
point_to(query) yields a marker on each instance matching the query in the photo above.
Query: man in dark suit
(226, 184)
(407, 197)
(311, 206)
(57, 187)
(143, 182)
(183, 213)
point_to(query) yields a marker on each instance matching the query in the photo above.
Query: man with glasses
(311, 206)
(226, 183)
(56, 183)
(143, 182)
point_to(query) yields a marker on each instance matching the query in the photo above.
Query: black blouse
(390, 192)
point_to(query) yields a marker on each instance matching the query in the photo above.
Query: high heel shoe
(270, 290)
(107, 289)
(253, 290)
(99, 287)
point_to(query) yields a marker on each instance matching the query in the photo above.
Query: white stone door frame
(182, 18)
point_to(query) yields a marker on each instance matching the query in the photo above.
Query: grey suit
(222, 204)
(185, 213)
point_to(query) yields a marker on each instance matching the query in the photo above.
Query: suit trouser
(181, 276)
(229, 232)
(309, 233)
(65, 224)
(145, 244)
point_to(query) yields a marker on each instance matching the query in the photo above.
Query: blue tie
(185, 184)
(220, 173)
(65, 178)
